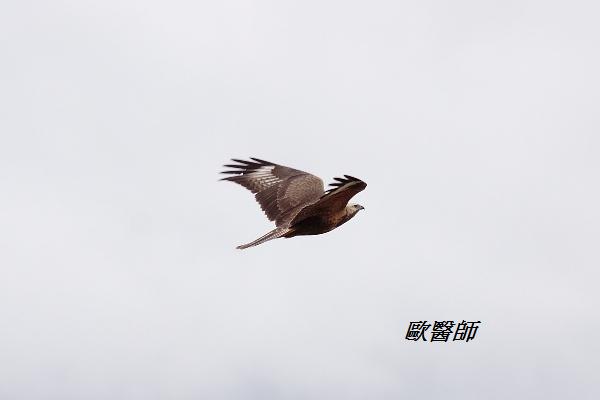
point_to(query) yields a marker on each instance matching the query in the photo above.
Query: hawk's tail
(274, 234)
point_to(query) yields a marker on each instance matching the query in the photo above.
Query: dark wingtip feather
(339, 182)
(237, 160)
(258, 160)
(244, 166)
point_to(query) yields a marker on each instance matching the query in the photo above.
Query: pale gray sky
(475, 124)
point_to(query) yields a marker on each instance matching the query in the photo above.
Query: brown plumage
(294, 199)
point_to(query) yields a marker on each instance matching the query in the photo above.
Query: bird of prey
(294, 199)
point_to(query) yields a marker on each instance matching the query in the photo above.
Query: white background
(475, 124)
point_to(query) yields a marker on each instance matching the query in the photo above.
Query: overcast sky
(475, 124)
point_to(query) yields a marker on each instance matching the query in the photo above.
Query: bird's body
(294, 199)
(318, 224)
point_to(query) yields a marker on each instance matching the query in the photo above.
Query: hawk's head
(352, 209)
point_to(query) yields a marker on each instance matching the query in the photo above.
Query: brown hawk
(294, 199)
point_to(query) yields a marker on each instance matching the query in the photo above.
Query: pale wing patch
(262, 178)
(278, 189)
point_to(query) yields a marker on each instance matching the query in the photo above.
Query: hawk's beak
(361, 208)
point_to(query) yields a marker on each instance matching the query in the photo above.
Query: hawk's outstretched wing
(282, 192)
(336, 198)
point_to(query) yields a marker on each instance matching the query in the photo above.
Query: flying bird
(295, 200)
